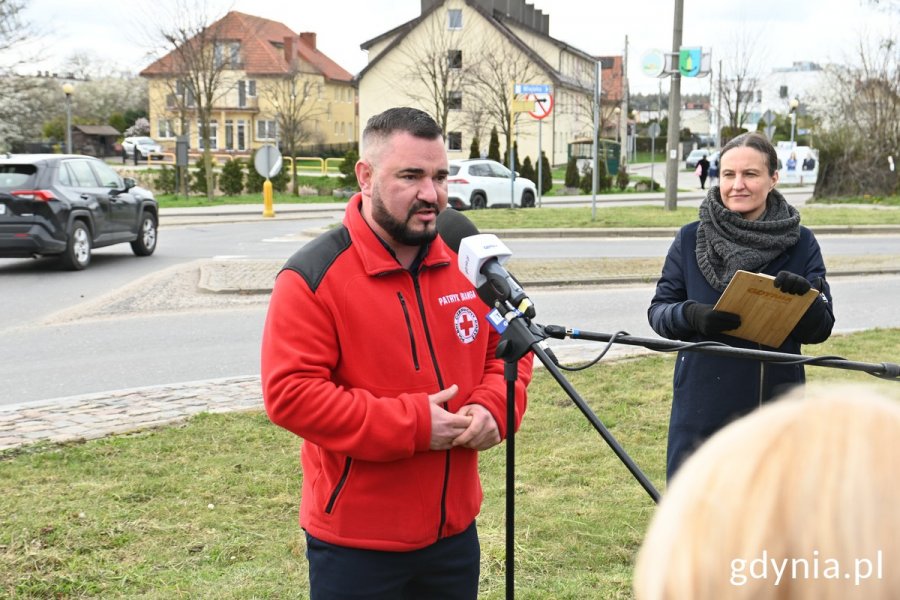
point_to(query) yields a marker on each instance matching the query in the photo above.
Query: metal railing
(316, 164)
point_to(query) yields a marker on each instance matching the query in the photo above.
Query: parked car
(694, 157)
(143, 145)
(482, 183)
(67, 205)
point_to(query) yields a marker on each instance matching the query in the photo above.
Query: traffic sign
(770, 131)
(531, 88)
(543, 104)
(653, 129)
(268, 161)
(768, 117)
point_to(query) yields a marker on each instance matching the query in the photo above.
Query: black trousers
(446, 570)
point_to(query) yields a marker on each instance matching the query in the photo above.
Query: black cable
(609, 344)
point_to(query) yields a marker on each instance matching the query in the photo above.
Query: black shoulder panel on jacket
(312, 261)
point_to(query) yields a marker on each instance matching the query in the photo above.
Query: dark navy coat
(709, 391)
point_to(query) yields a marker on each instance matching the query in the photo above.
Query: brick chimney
(290, 49)
(310, 38)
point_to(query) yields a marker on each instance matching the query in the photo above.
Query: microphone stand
(885, 370)
(519, 337)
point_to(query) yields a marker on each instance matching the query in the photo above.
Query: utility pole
(623, 117)
(672, 141)
(719, 109)
(595, 175)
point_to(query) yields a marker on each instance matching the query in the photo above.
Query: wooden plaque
(767, 314)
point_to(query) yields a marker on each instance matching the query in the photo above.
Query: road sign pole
(540, 179)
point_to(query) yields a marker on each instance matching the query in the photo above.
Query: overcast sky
(781, 31)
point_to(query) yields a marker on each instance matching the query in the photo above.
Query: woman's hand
(708, 321)
(791, 283)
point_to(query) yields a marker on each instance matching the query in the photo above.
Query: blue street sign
(531, 88)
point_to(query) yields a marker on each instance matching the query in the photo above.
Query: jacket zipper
(437, 371)
(339, 486)
(409, 330)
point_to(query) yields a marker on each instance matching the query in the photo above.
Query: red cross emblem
(466, 324)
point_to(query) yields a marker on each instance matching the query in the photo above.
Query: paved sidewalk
(91, 416)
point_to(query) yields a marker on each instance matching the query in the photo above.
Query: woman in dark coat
(703, 166)
(745, 224)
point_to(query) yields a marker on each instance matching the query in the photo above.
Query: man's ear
(364, 175)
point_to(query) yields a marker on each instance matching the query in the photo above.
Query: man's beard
(397, 229)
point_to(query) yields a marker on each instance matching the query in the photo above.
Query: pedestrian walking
(703, 171)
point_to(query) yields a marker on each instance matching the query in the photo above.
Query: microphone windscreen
(453, 226)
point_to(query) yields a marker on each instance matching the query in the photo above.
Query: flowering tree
(140, 127)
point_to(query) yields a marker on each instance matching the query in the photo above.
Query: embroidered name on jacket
(456, 298)
(466, 323)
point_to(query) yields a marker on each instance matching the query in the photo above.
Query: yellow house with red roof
(272, 86)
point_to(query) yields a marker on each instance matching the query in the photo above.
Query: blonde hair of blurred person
(805, 487)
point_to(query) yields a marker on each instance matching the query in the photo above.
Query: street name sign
(531, 88)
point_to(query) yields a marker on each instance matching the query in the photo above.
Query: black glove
(789, 283)
(709, 321)
(817, 322)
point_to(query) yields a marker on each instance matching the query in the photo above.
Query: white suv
(480, 183)
(143, 145)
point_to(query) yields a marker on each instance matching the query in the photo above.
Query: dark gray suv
(66, 205)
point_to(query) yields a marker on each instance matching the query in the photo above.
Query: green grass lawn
(208, 508)
(654, 216)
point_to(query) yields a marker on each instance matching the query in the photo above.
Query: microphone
(481, 260)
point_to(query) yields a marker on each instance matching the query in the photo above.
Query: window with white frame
(454, 140)
(165, 128)
(213, 135)
(227, 53)
(454, 18)
(266, 129)
(241, 134)
(185, 91)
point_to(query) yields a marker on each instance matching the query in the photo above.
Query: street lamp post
(794, 103)
(68, 89)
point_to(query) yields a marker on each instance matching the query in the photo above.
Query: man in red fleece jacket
(377, 352)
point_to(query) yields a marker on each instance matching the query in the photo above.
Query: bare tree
(296, 100)
(436, 77)
(14, 32)
(858, 151)
(86, 66)
(473, 119)
(740, 78)
(199, 56)
(499, 66)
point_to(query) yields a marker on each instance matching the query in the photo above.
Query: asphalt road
(130, 322)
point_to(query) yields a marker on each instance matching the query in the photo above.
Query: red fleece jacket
(352, 347)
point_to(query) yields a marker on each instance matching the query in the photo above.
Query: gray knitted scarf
(727, 242)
